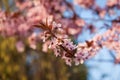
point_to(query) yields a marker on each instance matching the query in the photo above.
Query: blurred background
(38, 65)
(33, 65)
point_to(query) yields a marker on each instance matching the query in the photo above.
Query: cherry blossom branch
(49, 28)
(63, 47)
(54, 36)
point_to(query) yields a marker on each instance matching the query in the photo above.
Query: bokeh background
(37, 65)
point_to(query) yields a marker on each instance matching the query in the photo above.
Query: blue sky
(101, 66)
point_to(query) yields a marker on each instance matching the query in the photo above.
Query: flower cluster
(56, 39)
(71, 53)
(110, 39)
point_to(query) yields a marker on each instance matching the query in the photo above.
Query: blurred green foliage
(13, 65)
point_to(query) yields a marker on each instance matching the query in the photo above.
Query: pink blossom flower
(32, 41)
(20, 46)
